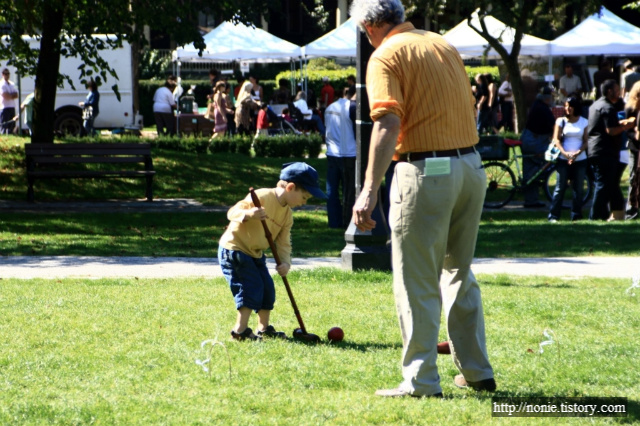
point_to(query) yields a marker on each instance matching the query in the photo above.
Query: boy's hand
(283, 269)
(256, 213)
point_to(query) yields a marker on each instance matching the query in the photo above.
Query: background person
(256, 91)
(535, 140)
(300, 102)
(327, 93)
(437, 195)
(90, 107)
(163, 106)
(341, 161)
(570, 84)
(628, 78)
(605, 140)
(570, 136)
(494, 104)
(506, 104)
(9, 96)
(603, 73)
(482, 104)
(241, 247)
(27, 110)
(244, 105)
(632, 109)
(221, 110)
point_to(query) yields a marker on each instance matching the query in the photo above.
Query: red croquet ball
(335, 334)
(443, 348)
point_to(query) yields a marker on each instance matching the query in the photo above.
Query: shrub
(297, 146)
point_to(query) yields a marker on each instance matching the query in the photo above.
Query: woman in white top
(570, 136)
(163, 105)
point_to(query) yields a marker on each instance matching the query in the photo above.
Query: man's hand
(362, 210)
(283, 269)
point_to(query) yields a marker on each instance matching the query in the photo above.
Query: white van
(113, 114)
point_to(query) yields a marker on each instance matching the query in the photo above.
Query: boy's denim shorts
(249, 279)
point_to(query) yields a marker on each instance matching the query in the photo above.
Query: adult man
(506, 104)
(436, 196)
(605, 139)
(341, 161)
(9, 96)
(535, 140)
(282, 94)
(628, 79)
(327, 93)
(570, 84)
(604, 73)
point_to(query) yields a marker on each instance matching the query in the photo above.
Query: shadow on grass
(351, 346)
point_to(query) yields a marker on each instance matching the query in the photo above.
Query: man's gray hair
(377, 12)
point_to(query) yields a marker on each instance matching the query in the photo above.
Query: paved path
(149, 267)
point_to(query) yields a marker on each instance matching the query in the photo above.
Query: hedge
(296, 146)
(337, 78)
(473, 71)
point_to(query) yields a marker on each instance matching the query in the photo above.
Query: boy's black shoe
(270, 331)
(247, 334)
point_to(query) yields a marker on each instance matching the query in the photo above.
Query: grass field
(124, 351)
(502, 234)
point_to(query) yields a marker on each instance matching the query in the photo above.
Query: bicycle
(502, 184)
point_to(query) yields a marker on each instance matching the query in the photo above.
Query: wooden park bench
(55, 161)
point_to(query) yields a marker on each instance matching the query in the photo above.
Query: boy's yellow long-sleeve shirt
(248, 236)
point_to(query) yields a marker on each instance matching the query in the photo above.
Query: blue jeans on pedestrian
(319, 124)
(533, 148)
(484, 121)
(577, 173)
(248, 278)
(340, 190)
(607, 193)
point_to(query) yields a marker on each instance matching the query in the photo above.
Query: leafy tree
(522, 15)
(65, 27)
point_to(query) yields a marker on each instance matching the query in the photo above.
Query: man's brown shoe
(488, 385)
(399, 393)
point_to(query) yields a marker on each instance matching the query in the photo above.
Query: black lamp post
(371, 249)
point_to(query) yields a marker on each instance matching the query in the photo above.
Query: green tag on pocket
(437, 166)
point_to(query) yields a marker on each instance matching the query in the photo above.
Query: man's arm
(383, 145)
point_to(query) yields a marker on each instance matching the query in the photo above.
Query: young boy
(262, 123)
(240, 251)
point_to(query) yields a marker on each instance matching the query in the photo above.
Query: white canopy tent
(338, 43)
(600, 34)
(238, 42)
(470, 44)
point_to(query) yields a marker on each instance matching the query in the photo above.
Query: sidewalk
(27, 267)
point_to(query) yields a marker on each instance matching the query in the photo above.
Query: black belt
(416, 156)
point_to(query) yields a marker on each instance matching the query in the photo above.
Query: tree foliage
(65, 28)
(522, 15)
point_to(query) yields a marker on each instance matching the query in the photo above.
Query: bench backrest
(50, 153)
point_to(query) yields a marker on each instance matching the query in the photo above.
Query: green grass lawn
(502, 234)
(124, 351)
(219, 179)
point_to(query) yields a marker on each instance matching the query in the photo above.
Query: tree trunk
(513, 67)
(47, 73)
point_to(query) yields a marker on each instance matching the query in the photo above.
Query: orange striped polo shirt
(419, 76)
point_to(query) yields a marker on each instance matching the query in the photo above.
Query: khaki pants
(434, 223)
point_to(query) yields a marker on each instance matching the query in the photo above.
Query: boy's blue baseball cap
(303, 175)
